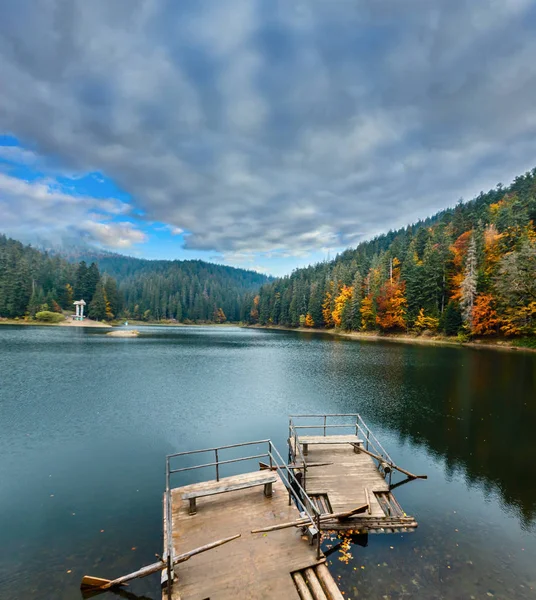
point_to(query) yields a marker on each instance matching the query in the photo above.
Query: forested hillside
(468, 270)
(189, 290)
(32, 281)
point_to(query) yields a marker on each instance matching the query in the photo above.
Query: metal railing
(295, 490)
(356, 424)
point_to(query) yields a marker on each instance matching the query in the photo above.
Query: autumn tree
(309, 322)
(327, 308)
(368, 314)
(392, 306)
(425, 322)
(343, 299)
(485, 320)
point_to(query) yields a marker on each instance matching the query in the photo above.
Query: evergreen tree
(452, 319)
(97, 307)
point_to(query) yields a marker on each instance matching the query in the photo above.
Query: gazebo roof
(81, 302)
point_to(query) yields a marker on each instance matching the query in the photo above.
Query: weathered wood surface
(228, 484)
(252, 567)
(329, 439)
(346, 479)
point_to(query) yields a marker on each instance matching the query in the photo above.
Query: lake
(86, 421)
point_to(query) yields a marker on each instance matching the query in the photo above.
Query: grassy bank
(522, 344)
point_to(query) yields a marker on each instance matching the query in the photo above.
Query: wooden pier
(333, 480)
(347, 475)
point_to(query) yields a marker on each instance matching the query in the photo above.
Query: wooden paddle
(97, 583)
(410, 475)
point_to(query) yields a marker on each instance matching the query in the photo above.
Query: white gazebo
(79, 310)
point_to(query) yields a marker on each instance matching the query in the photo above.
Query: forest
(116, 286)
(467, 271)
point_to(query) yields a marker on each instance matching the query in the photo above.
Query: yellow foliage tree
(423, 322)
(344, 296)
(368, 314)
(326, 307)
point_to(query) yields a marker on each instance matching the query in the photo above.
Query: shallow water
(86, 420)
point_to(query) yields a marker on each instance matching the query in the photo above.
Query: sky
(264, 134)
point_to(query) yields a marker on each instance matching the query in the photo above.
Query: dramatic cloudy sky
(262, 133)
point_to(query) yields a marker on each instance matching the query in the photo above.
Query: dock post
(318, 536)
(169, 580)
(325, 417)
(217, 465)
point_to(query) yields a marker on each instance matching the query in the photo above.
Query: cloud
(40, 209)
(274, 127)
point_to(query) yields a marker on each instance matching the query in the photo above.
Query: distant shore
(404, 338)
(69, 322)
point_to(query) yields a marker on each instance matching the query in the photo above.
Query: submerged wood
(379, 458)
(305, 520)
(95, 582)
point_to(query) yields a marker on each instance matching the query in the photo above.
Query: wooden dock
(333, 480)
(285, 563)
(346, 475)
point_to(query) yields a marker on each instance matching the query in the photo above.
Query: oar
(392, 465)
(325, 517)
(263, 466)
(104, 584)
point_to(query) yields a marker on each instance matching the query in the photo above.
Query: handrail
(358, 424)
(288, 477)
(217, 448)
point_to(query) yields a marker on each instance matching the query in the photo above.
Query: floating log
(105, 584)
(299, 522)
(381, 460)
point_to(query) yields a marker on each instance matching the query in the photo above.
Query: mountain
(185, 290)
(32, 280)
(470, 270)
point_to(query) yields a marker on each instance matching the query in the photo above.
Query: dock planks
(348, 479)
(254, 566)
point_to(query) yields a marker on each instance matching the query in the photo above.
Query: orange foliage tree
(485, 319)
(309, 322)
(344, 296)
(392, 306)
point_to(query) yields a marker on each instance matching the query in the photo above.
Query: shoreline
(402, 338)
(67, 323)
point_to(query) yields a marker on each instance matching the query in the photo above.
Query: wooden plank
(303, 590)
(314, 585)
(222, 489)
(329, 439)
(328, 583)
(228, 481)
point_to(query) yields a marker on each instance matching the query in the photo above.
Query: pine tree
(452, 318)
(97, 307)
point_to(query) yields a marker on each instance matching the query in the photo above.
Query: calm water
(86, 420)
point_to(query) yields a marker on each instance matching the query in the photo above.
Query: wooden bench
(231, 484)
(305, 440)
